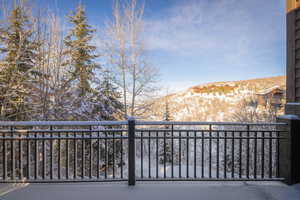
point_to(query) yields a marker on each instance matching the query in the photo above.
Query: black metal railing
(139, 150)
(207, 151)
(63, 151)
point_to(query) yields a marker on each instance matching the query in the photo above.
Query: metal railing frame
(10, 128)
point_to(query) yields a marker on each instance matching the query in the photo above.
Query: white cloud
(229, 28)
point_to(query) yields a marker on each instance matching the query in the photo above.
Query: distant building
(273, 97)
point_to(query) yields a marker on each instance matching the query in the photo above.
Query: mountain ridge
(214, 101)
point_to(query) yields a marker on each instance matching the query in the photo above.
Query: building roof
(270, 90)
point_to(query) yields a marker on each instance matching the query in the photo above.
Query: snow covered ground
(155, 190)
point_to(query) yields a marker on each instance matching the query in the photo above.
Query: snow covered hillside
(217, 101)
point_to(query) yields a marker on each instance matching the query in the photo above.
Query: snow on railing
(137, 122)
(61, 123)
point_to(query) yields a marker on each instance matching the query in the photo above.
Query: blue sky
(198, 41)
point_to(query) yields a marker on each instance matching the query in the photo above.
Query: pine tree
(167, 114)
(80, 52)
(108, 96)
(17, 72)
(167, 146)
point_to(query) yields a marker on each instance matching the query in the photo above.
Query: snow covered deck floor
(151, 191)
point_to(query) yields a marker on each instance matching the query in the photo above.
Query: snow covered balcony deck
(151, 191)
(65, 156)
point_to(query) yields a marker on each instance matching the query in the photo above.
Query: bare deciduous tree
(51, 87)
(249, 110)
(124, 48)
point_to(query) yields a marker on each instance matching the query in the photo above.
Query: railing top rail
(137, 122)
(205, 123)
(62, 123)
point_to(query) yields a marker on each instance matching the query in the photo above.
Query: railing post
(131, 151)
(289, 148)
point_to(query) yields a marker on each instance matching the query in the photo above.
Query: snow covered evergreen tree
(108, 94)
(81, 61)
(167, 114)
(17, 67)
(80, 52)
(166, 144)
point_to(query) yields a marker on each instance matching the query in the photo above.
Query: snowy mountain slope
(212, 101)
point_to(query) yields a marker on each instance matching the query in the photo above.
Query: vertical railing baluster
(270, 154)
(75, 156)
(12, 152)
(51, 153)
(195, 154)
(121, 154)
(36, 156)
(240, 155)
(20, 157)
(255, 154)
(113, 153)
(202, 154)
(225, 155)
(106, 155)
(67, 156)
(164, 154)
(172, 151)
(44, 157)
(218, 152)
(209, 143)
(83, 156)
(58, 156)
(156, 154)
(149, 155)
(4, 156)
(98, 155)
(142, 159)
(277, 155)
(232, 155)
(28, 156)
(187, 154)
(248, 151)
(179, 154)
(91, 153)
(263, 155)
